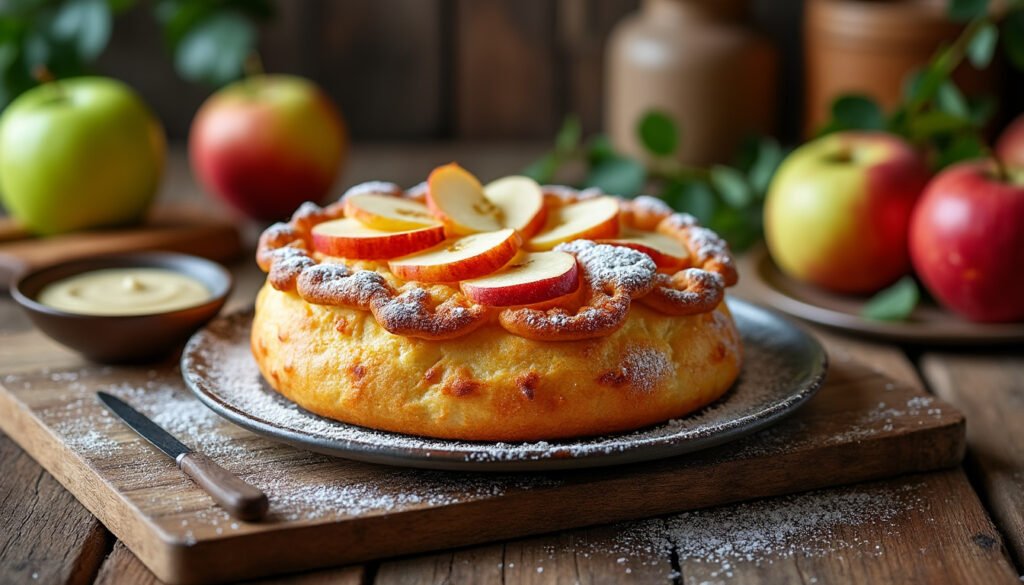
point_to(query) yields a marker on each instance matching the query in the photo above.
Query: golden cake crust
(488, 384)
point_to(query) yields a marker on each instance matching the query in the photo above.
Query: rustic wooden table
(964, 525)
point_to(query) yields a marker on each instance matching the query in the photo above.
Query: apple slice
(456, 198)
(348, 238)
(592, 219)
(667, 252)
(521, 203)
(531, 278)
(462, 259)
(382, 212)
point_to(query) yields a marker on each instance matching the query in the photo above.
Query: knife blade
(240, 499)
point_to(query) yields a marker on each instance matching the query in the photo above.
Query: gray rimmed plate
(783, 367)
(929, 323)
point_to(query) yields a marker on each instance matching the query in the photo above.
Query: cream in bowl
(124, 291)
(126, 307)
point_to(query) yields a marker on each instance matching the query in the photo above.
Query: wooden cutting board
(174, 229)
(862, 425)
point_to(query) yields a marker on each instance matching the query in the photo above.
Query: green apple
(79, 153)
(838, 210)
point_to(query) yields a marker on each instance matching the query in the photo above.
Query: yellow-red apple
(591, 219)
(532, 277)
(456, 198)
(383, 212)
(348, 238)
(468, 257)
(1010, 146)
(967, 241)
(838, 210)
(267, 143)
(521, 202)
(667, 252)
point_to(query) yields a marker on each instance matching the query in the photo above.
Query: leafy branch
(726, 198)
(209, 39)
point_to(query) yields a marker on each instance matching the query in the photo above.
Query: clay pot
(870, 47)
(697, 61)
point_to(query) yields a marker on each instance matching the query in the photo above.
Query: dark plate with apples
(929, 323)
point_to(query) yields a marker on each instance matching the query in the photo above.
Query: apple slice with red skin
(468, 257)
(590, 219)
(521, 202)
(533, 277)
(456, 199)
(348, 238)
(667, 252)
(386, 213)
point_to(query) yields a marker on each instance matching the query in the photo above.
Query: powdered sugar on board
(778, 375)
(301, 485)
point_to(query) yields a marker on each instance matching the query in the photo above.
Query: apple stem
(1001, 172)
(43, 75)
(253, 65)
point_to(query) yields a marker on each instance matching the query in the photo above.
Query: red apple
(838, 210)
(529, 279)
(462, 259)
(267, 143)
(967, 241)
(1010, 146)
(348, 238)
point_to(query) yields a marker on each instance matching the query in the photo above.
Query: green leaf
(895, 303)
(967, 146)
(618, 175)
(983, 46)
(964, 10)
(740, 227)
(600, 149)
(568, 137)
(921, 84)
(949, 99)
(1013, 38)
(936, 122)
(769, 157)
(215, 50)
(858, 112)
(658, 133)
(693, 197)
(543, 169)
(732, 186)
(84, 25)
(982, 109)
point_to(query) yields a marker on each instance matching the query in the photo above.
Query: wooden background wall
(435, 69)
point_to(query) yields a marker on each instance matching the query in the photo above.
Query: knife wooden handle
(238, 498)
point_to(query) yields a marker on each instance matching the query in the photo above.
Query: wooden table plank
(989, 389)
(46, 536)
(121, 566)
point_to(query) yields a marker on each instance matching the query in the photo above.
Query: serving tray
(329, 511)
(782, 368)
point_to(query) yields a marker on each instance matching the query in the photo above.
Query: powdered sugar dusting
(614, 267)
(373, 187)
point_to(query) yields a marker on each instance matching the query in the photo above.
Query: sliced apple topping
(668, 253)
(386, 213)
(521, 202)
(348, 238)
(468, 257)
(456, 198)
(592, 219)
(530, 278)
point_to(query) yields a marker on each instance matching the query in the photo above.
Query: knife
(238, 498)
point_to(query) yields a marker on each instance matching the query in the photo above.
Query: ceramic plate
(783, 367)
(928, 324)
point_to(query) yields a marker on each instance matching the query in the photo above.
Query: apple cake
(505, 312)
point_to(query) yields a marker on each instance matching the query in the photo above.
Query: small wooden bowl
(124, 339)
